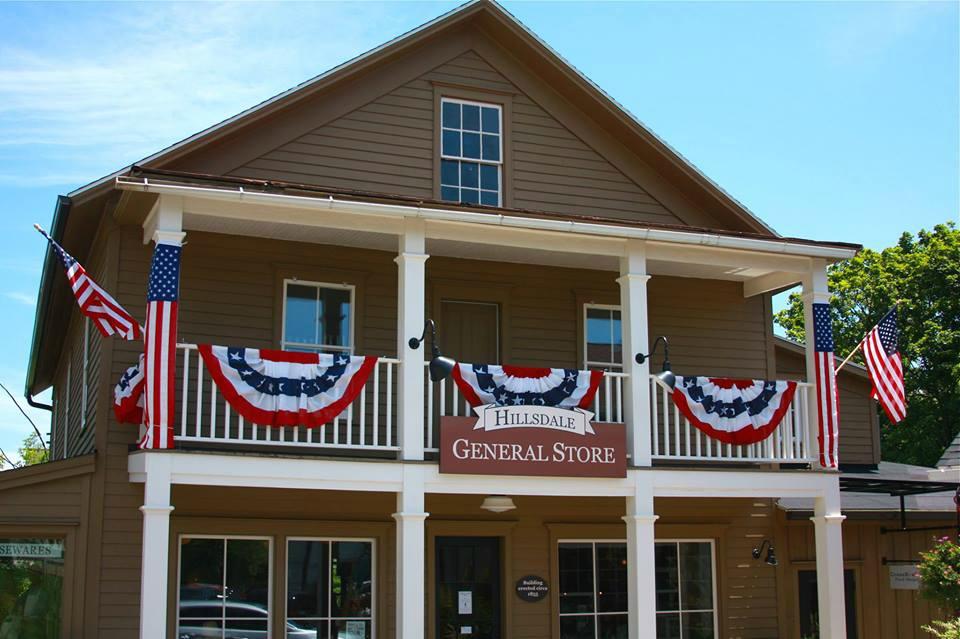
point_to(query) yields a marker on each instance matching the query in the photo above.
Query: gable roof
(499, 24)
(951, 456)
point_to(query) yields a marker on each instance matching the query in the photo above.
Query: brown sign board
(526, 440)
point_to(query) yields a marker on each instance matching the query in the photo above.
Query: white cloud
(23, 298)
(138, 77)
(873, 28)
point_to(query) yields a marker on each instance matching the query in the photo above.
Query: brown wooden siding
(388, 145)
(882, 613)
(859, 430)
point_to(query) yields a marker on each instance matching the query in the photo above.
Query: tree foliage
(921, 274)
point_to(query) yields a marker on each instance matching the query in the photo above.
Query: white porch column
(156, 511)
(411, 295)
(641, 576)
(829, 542)
(411, 551)
(633, 313)
(815, 291)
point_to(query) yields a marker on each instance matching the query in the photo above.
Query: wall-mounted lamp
(498, 504)
(665, 375)
(440, 366)
(771, 558)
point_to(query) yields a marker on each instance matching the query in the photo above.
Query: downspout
(36, 404)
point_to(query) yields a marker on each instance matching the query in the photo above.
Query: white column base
(641, 576)
(155, 554)
(830, 583)
(411, 557)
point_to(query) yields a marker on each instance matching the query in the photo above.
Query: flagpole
(844, 362)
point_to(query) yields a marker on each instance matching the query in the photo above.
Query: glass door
(468, 588)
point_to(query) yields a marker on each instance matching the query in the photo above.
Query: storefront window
(31, 588)
(810, 607)
(329, 589)
(224, 588)
(593, 590)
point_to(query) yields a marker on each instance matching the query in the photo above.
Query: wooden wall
(883, 613)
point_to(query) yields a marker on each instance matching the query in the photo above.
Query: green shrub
(940, 574)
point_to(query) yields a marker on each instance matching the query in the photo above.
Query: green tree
(921, 274)
(32, 451)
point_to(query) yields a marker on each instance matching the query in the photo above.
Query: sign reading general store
(532, 440)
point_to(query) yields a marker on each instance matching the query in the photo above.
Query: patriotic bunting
(128, 395)
(485, 384)
(734, 411)
(284, 388)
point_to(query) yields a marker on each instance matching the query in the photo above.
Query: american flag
(827, 395)
(882, 354)
(107, 315)
(161, 345)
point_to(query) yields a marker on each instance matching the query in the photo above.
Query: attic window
(471, 152)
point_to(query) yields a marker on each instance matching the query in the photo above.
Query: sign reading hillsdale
(532, 440)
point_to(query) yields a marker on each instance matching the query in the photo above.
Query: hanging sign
(532, 588)
(534, 441)
(904, 577)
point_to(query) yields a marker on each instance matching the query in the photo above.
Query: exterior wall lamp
(771, 558)
(498, 504)
(665, 375)
(440, 367)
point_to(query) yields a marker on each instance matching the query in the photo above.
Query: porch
(705, 292)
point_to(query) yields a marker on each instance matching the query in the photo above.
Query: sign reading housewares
(904, 577)
(31, 550)
(532, 440)
(532, 588)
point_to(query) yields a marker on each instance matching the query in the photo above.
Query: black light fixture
(771, 558)
(665, 375)
(440, 366)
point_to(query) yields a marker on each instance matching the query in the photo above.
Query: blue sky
(829, 120)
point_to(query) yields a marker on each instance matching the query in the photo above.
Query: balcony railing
(674, 438)
(369, 423)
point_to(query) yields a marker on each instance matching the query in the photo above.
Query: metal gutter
(697, 238)
(60, 214)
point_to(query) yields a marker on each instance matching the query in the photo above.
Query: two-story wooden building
(464, 173)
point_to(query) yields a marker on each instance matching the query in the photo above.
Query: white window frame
(226, 538)
(595, 614)
(373, 579)
(461, 158)
(284, 344)
(587, 363)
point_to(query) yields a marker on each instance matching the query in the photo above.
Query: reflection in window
(470, 150)
(317, 317)
(329, 589)
(593, 590)
(810, 607)
(224, 588)
(31, 588)
(603, 346)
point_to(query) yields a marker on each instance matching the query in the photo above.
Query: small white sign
(904, 577)
(466, 630)
(465, 602)
(356, 630)
(492, 417)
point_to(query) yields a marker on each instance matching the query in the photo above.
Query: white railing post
(633, 313)
(815, 291)
(411, 295)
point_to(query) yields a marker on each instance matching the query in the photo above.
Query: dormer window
(471, 152)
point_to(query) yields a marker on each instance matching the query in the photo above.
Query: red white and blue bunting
(734, 411)
(284, 388)
(128, 395)
(485, 384)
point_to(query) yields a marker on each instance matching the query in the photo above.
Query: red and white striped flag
(107, 314)
(882, 354)
(161, 346)
(828, 414)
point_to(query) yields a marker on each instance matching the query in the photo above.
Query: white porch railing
(674, 438)
(367, 424)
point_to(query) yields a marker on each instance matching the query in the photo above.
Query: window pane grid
(471, 152)
(317, 317)
(602, 337)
